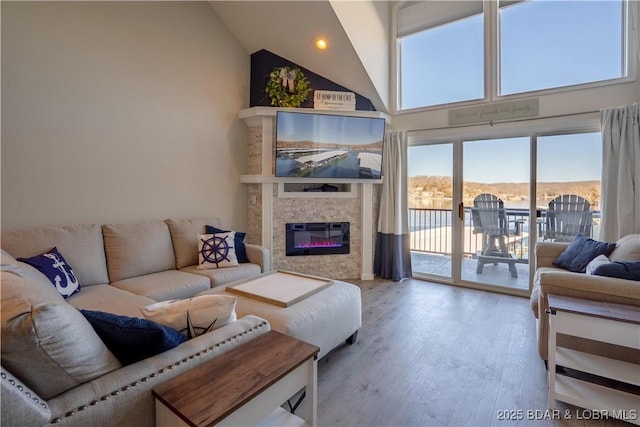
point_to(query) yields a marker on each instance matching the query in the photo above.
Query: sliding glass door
(448, 239)
(430, 202)
(495, 196)
(568, 185)
(472, 215)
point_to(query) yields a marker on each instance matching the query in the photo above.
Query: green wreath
(287, 87)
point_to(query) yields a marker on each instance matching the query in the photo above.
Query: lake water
(346, 167)
(448, 203)
(434, 219)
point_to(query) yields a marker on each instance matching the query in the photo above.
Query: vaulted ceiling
(357, 33)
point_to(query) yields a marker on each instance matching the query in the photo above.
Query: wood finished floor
(437, 355)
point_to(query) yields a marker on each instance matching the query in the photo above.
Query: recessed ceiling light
(320, 42)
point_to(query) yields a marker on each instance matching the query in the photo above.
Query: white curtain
(392, 256)
(620, 202)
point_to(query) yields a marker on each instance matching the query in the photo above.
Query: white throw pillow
(205, 312)
(216, 250)
(596, 262)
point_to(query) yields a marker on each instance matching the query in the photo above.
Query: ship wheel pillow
(217, 250)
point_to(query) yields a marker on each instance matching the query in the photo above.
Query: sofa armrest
(587, 286)
(259, 255)
(20, 405)
(547, 252)
(580, 285)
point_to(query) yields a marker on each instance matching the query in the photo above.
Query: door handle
(461, 211)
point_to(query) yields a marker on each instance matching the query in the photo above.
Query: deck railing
(431, 232)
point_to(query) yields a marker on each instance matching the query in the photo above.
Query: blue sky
(329, 128)
(543, 44)
(533, 58)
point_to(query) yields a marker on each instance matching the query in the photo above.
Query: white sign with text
(334, 100)
(494, 111)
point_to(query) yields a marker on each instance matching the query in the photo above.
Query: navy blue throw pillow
(131, 339)
(53, 265)
(629, 270)
(238, 242)
(580, 252)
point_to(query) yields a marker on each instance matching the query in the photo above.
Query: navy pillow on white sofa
(629, 270)
(580, 252)
(241, 250)
(131, 339)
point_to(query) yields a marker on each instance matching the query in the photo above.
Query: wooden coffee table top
(208, 393)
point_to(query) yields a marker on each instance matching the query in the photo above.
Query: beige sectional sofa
(550, 279)
(55, 369)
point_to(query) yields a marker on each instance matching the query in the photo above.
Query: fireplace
(317, 238)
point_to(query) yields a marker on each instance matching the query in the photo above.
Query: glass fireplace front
(317, 238)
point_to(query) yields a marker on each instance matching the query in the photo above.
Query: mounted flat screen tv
(313, 145)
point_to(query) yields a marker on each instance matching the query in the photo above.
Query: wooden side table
(244, 386)
(605, 322)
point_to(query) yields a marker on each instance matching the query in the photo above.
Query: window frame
(492, 61)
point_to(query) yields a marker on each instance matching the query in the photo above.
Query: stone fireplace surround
(273, 202)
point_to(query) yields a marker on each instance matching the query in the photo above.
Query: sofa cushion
(46, 342)
(111, 299)
(580, 252)
(184, 236)
(6, 257)
(166, 285)
(10, 264)
(137, 249)
(205, 313)
(216, 251)
(627, 249)
(53, 265)
(132, 339)
(222, 276)
(238, 242)
(629, 270)
(82, 246)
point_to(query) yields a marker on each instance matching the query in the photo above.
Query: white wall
(120, 112)
(550, 105)
(367, 26)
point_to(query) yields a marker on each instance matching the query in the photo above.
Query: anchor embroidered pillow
(216, 250)
(53, 265)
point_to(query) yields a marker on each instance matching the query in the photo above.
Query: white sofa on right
(551, 279)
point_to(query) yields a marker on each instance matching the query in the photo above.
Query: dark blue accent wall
(263, 62)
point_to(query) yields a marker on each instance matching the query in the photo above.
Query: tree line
(441, 187)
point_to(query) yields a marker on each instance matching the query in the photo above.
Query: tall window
(541, 45)
(550, 44)
(441, 43)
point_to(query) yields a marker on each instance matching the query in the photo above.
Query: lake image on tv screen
(328, 146)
